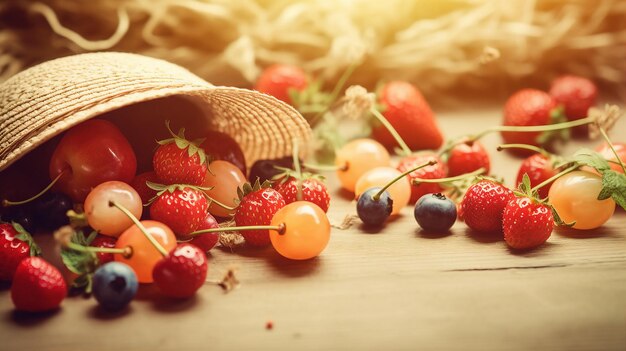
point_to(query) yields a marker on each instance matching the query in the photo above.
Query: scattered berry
(313, 190)
(539, 168)
(574, 196)
(399, 191)
(91, 153)
(374, 212)
(222, 181)
(576, 94)
(12, 249)
(467, 157)
(37, 286)
(206, 241)
(105, 218)
(179, 161)
(144, 255)
(104, 241)
(483, 205)
(358, 157)
(280, 80)
(306, 230)
(257, 207)
(410, 115)
(182, 208)
(139, 183)
(526, 223)
(435, 171)
(435, 213)
(114, 285)
(182, 272)
(265, 170)
(528, 107)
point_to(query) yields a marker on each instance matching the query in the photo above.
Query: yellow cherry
(358, 157)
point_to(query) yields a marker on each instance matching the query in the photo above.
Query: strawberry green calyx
(248, 188)
(25, 236)
(162, 188)
(193, 147)
(524, 189)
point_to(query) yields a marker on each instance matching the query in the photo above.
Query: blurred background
(445, 47)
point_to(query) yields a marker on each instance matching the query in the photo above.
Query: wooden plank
(397, 289)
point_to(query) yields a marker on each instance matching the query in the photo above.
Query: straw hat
(45, 100)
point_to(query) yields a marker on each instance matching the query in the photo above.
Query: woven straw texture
(45, 100)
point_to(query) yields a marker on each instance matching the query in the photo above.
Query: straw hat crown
(47, 99)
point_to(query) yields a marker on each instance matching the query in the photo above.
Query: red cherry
(221, 146)
(207, 241)
(182, 272)
(89, 154)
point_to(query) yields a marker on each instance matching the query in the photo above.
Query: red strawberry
(279, 79)
(257, 207)
(139, 184)
(208, 240)
(539, 168)
(15, 245)
(182, 272)
(467, 157)
(411, 117)
(222, 147)
(179, 161)
(435, 171)
(106, 242)
(526, 223)
(528, 107)
(180, 207)
(483, 204)
(576, 94)
(37, 286)
(313, 190)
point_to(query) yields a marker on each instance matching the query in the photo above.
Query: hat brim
(45, 100)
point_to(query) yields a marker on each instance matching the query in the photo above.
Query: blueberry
(51, 210)
(265, 169)
(435, 213)
(114, 285)
(373, 212)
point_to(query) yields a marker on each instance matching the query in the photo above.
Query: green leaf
(614, 186)
(25, 236)
(80, 262)
(592, 159)
(558, 220)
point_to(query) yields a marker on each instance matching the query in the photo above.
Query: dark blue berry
(373, 212)
(266, 169)
(435, 213)
(20, 214)
(51, 210)
(114, 285)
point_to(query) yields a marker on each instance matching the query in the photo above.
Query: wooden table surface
(396, 289)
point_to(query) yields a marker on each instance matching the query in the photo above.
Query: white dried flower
(357, 102)
(604, 119)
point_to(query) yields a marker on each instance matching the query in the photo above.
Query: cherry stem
(380, 192)
(529, 129)
(296, 165)
(554, 177)
(479, 171)
(317, 167)
(139, 225)
(525, 147)
(126, 251)
(281, 228)
(608, 141)
(405, 148)
(8, 203)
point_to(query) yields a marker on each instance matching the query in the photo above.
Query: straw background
(437, 44)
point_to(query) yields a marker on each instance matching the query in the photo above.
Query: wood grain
(396, 289)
